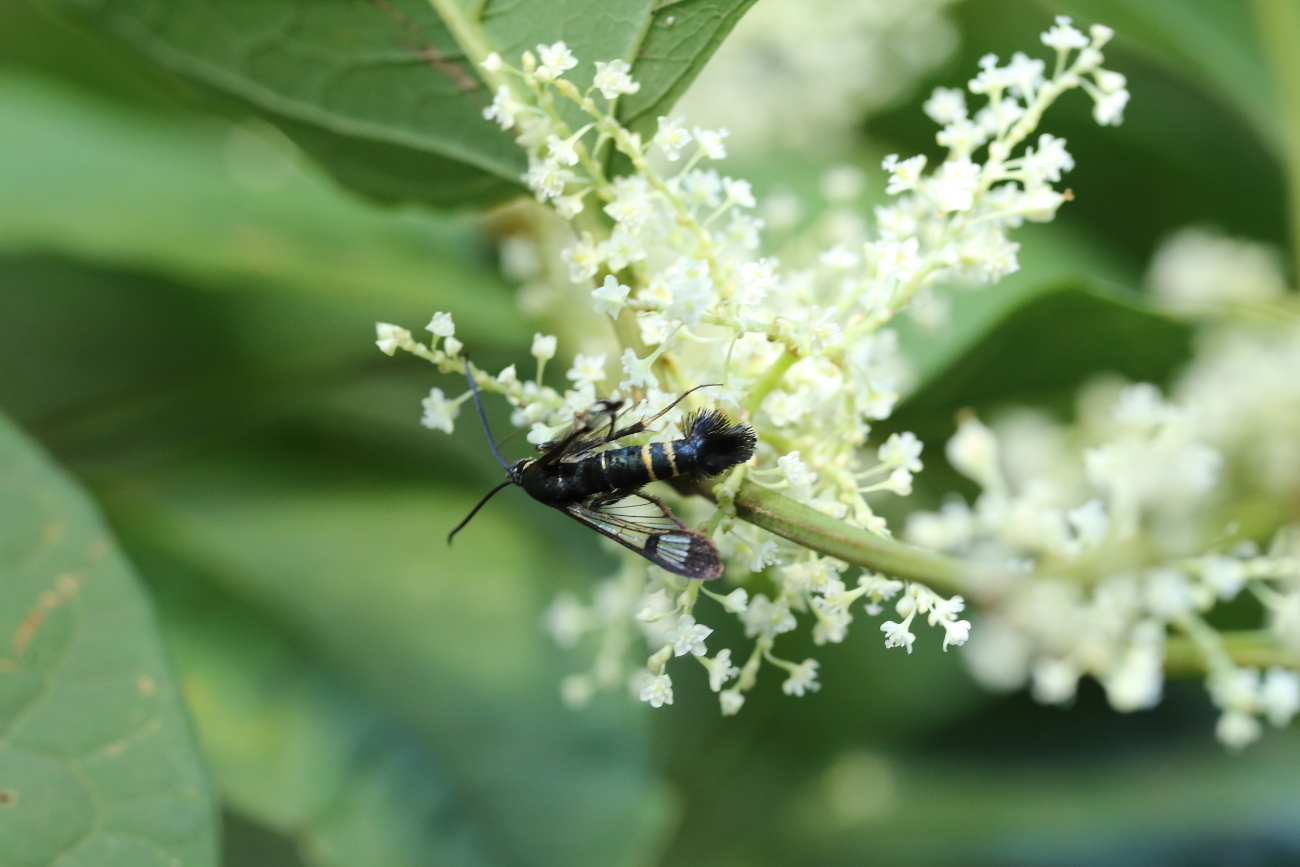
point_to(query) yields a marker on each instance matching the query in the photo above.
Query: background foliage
(186, 309)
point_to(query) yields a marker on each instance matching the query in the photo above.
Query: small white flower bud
(1055, 681)
(1279, 697)
(439, 413)
(731, 701)
(1237, 730)
(658, 691)
(544, 346)
(973, 452)
(390, 337)
(660, 658)
(576, 691)
(1108, 81)
(736, 601)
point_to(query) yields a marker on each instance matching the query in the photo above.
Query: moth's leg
(574, 444)
(609, 498)
(667, 511)
(645, 423)
(560, 448)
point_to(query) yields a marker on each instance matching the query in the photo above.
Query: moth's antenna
(478, 402)
(474, 511)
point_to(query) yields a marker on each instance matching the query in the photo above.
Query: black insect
(602, 489)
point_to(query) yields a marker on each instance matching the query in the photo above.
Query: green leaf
(227, 208)
(298, 750)
(97, 765)
(1052, 257)
(382, 91)
(1044, 350)
(1187, 804)
(679, 39)
(448, 638)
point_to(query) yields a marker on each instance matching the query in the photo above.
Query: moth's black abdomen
(712, 445)
(715, 443)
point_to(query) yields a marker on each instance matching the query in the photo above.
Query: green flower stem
(464, 26)
(808, 527)
(770, 380)
(463, 20)
(1279, 30)
(1252, 648)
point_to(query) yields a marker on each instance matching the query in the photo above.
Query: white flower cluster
(1245, 378)
(671, 259)
(1092, 543)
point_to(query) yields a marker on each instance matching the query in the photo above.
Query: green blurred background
(186, 325)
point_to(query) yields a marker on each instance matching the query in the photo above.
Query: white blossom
(504, 109)
(946, 105)
(584, 258)
(672, 136)
(547, 178)
(736, 601)
(567, 620)
(587, 369)
(901, 450)
(555, 60)
(905, 174)
(767, 618)
(1279, 696)
(439, 413)
(973, 452)
(688, 636)
(720, 669)
(658, 690)
(610, 296)
(544, 346)
(802, 679)
(1108, 108)
(389, 337)
(613, 79)
(441, 325)
(731, 700)
(898, 634)
(1063, 36)
(711, 142)
(1237, 729)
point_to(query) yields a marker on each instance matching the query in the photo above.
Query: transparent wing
(644, 524)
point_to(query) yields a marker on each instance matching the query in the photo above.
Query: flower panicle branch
(670, 255)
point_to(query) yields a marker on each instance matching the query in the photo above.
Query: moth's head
(517, 468)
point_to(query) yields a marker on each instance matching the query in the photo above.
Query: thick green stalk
(808, 527)
(1252, 648)
(465, 28)
(770, 380)
(1279, 30)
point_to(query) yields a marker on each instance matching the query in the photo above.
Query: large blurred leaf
(1052, 258)
(382, 92)
(1195, 805)
(97, 766)
(1045, 349)
(224, 207)
(447, 637)
(299, 751)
